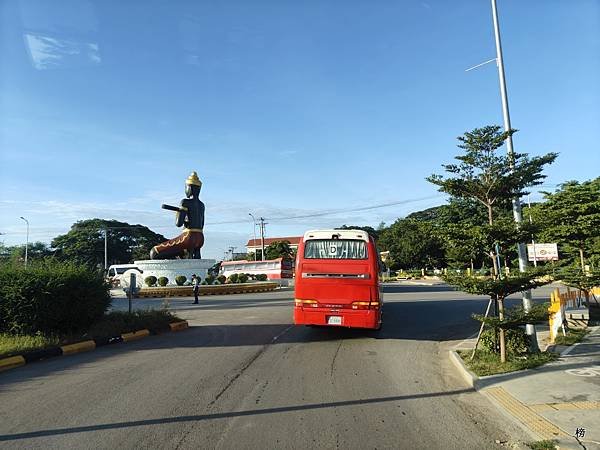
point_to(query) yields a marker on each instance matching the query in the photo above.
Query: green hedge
(51, 297)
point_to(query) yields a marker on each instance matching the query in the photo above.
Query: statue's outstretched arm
(181, 215)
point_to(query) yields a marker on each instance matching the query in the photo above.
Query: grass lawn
(573, 336)
(486, 363)
(112, 324)
(11, 345)
(543, 445)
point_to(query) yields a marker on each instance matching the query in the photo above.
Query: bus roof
(340, 234)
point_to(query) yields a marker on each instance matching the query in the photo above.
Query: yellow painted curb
(176, 326)
(527, 416)
(78, 347)
(12, 362)
(135, 335)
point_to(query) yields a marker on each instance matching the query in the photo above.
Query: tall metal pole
(262, 238)
(516, 203)
(26, 239)
(254, 229)
(106, 248)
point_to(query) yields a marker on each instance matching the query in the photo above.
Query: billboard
(543, 252)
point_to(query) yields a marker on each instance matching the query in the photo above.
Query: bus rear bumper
(350, 319)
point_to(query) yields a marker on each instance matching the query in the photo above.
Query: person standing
(196, 286)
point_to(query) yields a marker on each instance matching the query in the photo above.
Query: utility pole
(254, 230)
(26, 239)
(262, 237)
(516, 202)
(231, 249)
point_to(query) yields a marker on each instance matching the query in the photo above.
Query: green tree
(493, 180)
(571, 217)
(16, 254)
(84, 243)
(372, 231)
(279, 249)
(412, 245)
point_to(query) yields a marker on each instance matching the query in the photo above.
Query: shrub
(163, 281)
(118, 322)
(51, 297)
(517, 341)
(150, 281)
(209, 279)
(233, 278)
(261, 277)
(180, 280)
(204, 283)
(221, 279)
(242, 277)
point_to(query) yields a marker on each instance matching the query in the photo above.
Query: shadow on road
(225, 415)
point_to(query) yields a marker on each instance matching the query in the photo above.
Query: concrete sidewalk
(560, 400)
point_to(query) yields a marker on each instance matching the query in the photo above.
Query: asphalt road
(244, 377)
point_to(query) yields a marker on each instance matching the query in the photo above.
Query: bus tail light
(365, 305)
(306, 303)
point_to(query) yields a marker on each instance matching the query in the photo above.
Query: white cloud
(50, 52)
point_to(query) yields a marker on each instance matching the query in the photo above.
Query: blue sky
(284, 108)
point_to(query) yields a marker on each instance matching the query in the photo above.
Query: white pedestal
(171, 268)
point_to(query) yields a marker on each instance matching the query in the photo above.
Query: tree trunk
(582, 260)
(472, 268)
(502, 336)
(490, 215)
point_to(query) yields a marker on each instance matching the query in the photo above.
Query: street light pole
(26, 239)
(254, 229)
(516, 202)
(106, 248)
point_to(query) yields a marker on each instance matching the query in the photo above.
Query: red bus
(337, 280)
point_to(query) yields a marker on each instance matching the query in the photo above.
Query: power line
(39, 231)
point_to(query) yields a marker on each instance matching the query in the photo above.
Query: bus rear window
(335, 249)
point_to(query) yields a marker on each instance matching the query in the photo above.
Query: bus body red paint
(337, 280)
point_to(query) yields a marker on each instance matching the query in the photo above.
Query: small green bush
(51, 297)
(209, 279)
(119, 322)
(222, 279)
(233, 278)
(261, 277)
(163, 281)
(150, 281)
(180, 280)
(242, 277)
(517, 341)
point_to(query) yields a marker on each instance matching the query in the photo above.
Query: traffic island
(559, 400)
(218, 289)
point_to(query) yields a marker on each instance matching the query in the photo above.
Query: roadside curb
(14, 361)
(474, 380)
(524, 416)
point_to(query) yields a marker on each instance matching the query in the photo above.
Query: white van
(116, 271)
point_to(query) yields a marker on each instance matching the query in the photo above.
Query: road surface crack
(337, 350)
(248, 364)
(234, 378)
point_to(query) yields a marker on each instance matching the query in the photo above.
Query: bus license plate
(334, 320)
